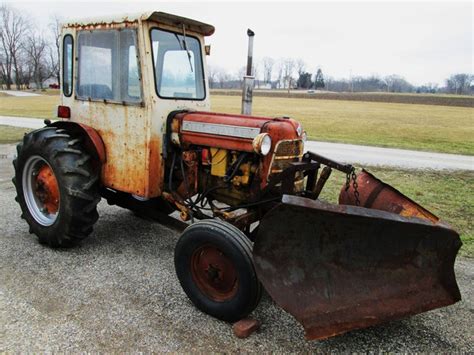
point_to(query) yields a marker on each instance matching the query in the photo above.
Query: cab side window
(68, 57)
(108, 68)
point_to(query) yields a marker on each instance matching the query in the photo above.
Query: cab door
(108, 96)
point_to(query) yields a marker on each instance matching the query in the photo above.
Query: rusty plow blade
(342, 267)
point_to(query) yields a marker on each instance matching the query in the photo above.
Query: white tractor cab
(136, 130)
(123, 76)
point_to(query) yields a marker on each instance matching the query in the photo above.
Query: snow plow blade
(340, 267)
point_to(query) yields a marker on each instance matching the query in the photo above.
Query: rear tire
(57, 187)
(213, 262)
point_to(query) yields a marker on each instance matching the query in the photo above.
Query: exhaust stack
(247, 90)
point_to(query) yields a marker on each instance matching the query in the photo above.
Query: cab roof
(157, 16)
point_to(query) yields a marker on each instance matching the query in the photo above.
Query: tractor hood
(234, 132)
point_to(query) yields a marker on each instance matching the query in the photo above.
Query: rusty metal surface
(156, 16)
(214, 273)
(47, 189)
(337, 268)
(325, 173)
(132, 134)
(283, 132)
(374, 193)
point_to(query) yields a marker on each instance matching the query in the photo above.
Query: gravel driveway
(119, 292)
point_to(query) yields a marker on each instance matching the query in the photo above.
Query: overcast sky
(422, 41)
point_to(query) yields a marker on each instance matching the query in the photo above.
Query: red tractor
(136, 129)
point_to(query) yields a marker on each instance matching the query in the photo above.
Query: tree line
(27, 55)
(289, 74)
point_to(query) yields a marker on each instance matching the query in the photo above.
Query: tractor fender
(93, 142)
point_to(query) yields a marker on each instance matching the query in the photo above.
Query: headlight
(304, 136)
(299, 130)
(262, 144)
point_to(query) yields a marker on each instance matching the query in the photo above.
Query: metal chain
(348, 180)
(355, 185)
(352, 176)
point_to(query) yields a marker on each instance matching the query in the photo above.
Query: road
(118, 293)
(397, 158)
(348, 153)
(19, 93)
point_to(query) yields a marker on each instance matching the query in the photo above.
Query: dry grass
(10, 134)
(34, 106)
(420, 127)
(401, 98)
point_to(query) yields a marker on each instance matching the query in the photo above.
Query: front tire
(213, 262)
(57, 187)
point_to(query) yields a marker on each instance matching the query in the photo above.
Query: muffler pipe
(247, 90)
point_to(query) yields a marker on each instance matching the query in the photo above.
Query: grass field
(401, 98)
(35, 106)
(422, 127)
(448, 195)
(11, 134)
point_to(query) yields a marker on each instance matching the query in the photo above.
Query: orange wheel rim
(47, 189)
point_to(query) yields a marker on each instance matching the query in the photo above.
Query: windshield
(178, 65)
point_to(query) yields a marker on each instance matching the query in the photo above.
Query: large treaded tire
(237, 248)
(77, 179)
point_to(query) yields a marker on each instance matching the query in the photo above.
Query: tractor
(135, 128)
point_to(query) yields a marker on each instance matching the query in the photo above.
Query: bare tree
(212, 75)
(288, 68)
(13, 28)
(395, 83)
(222, 77)
(279, 68)
(303, 77)
(5, 74)
(268, 64)
(38, 50)
(459, 83)
(256, 72)
(300, 66)
(55, 28)
(241, 73)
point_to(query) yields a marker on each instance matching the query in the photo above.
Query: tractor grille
(287, 152)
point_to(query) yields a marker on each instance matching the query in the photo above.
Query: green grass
(10, 134)
(422, 127)
(446, 194)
